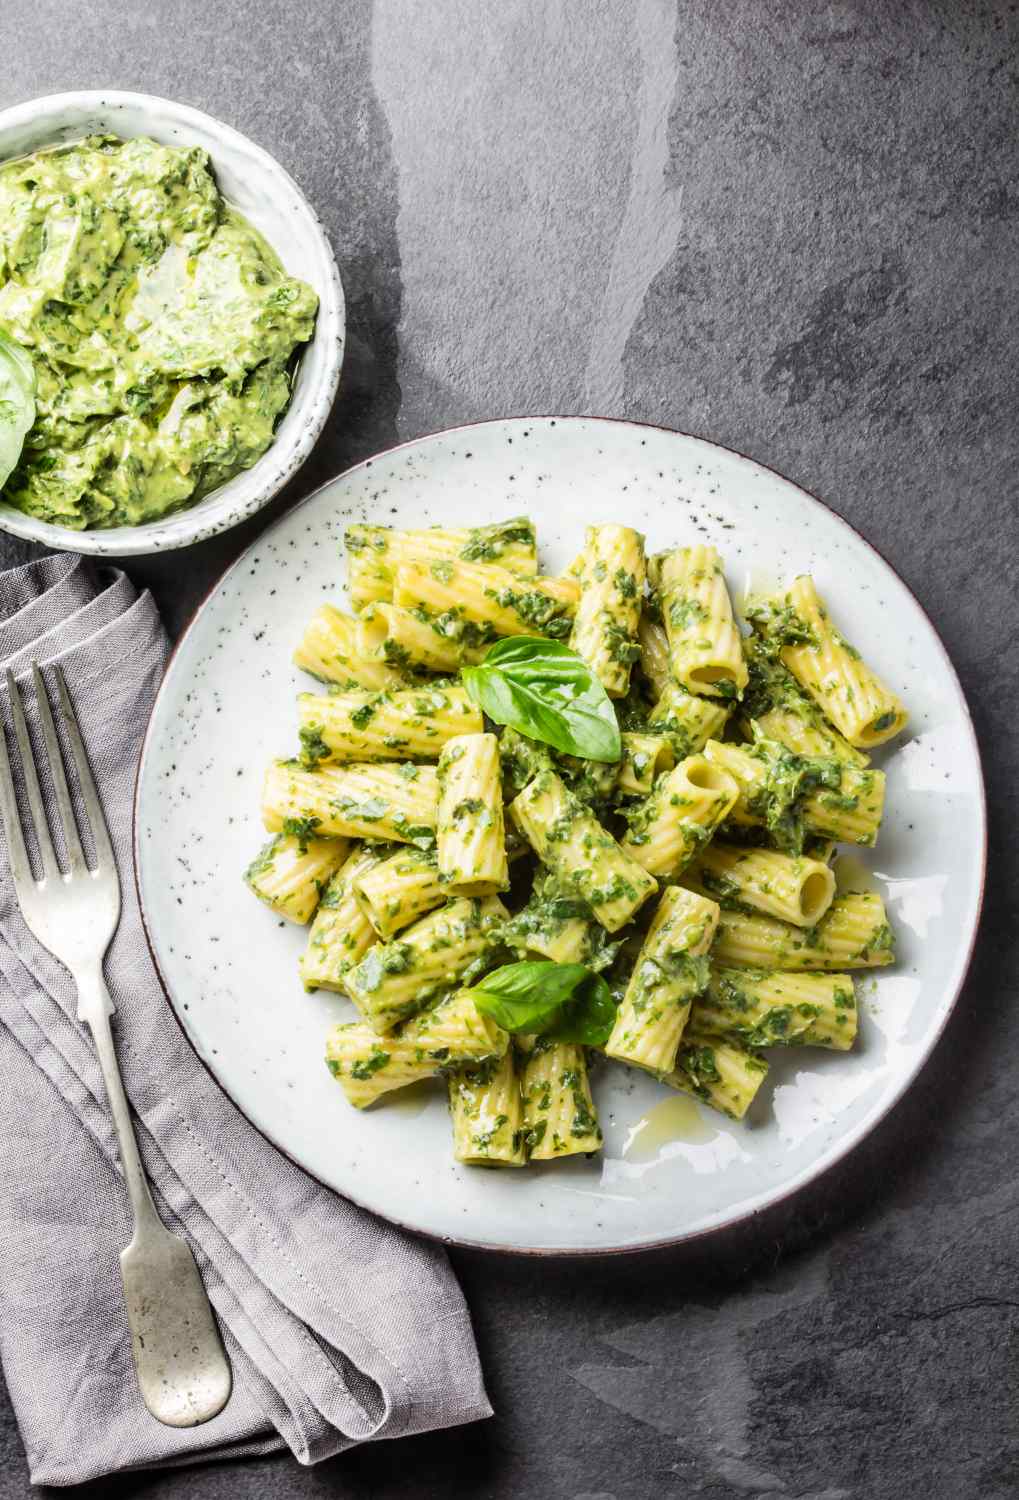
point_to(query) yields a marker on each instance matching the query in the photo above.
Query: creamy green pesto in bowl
(161, 327)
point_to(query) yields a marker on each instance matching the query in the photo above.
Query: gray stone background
(788, 226)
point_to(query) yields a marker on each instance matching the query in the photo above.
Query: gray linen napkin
(339, 1328)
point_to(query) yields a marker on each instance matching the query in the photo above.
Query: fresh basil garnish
(566, 1002)
(17, 405)
(548, 693)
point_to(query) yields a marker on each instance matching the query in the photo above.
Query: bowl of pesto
(171, 324)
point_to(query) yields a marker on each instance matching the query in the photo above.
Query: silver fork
(182, 1368)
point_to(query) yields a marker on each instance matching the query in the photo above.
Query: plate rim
(837, 1152)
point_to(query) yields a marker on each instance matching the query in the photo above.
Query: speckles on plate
(245, 1008)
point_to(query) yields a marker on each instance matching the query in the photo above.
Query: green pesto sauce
(160, 325)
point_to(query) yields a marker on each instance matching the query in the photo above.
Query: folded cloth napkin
(339, 1328)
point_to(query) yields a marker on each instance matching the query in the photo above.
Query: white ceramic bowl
(269, 197)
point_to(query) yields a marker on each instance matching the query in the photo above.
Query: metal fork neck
(96, 1008)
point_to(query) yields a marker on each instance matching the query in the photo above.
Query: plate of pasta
(561, 835)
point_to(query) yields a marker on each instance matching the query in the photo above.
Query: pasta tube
(559, 1114)
(521, 760)
(399, 636)
(654, 655)
(404, 724)
(645, 757)
(718, 1072)
(330, 651)
(688, 722)
(399, 803)
(487, 1113)
(558, 926)
(471, 827)
(290, 872)
(397, 978)
(794, 889)
(755, 1008)
(391, 893)
(368, 1065)
(608, 611)
(375, 552)
(851, 812)
(705, 650)
(340, 934)
(477, 602)
(686, 806)
(832, 671)
(593, 781)
(749, 768)
(782, 711)
(584, 857)
(853, 934)
(790, 794)
(670, 970)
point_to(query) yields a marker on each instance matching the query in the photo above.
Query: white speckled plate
(671, 1168)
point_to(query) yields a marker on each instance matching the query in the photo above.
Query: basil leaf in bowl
(547, 692)
(17, 404)
(565, 1002)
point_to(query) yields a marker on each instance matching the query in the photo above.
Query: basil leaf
(548, 693)
(587, 1017)
(524, 996)
(17, 404)
(566, 1002)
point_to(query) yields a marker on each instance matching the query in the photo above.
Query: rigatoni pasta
(853, 934)
(340, 934)
(392, 892)
(791, 795)
(671, 969)
(688, 722)
(479, 602)
(583, 856)
(557, 925)
(761, 1008)
(654, 655)
(487, 1113)
(330, 650)
(582, 807)
(680, 816)
(404, 724)
(608, 610)
(559, 1113)
(844, 687)
(718, 1072)
(793, 888)
(397, 978)
(368, 1065)
(291, 871)
(375, 552)
(705, 650)
(400, 803)
(471, 827)
(412, 641)
(644, 758)
(776, 707)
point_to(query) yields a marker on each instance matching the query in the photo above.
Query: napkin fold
(339, 1328)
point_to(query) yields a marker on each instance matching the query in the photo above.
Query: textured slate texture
(788, 226)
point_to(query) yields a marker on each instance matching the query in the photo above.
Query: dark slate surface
(789, 227)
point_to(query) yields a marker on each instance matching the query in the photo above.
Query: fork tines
(14, 820)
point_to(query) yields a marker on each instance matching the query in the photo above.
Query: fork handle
(183, 1373)
(95, 1006)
